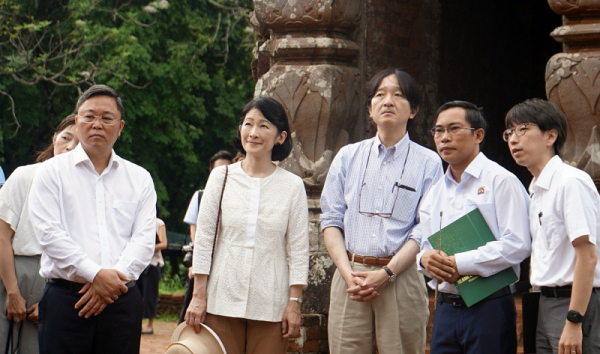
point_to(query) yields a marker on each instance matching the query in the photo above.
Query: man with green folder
(563, 218)
(471, 182)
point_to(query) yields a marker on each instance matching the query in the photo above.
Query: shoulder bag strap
(219, 213)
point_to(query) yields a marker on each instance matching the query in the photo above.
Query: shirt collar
(398, 149)
(474, 169)
(544, 179)
(79, 156)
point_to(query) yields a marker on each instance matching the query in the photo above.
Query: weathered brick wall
(406, 34)
(170, 304)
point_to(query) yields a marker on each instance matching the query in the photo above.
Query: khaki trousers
(397, 318)
(240, 335)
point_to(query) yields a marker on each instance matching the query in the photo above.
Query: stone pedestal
(572, 81)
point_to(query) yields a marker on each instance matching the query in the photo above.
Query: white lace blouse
(262, 247)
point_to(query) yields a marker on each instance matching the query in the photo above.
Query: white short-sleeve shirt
(14, 210)
(191, 215)
(564, 206)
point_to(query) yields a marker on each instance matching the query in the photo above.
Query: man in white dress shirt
(94, 217)
(472, 181)
(563, 218)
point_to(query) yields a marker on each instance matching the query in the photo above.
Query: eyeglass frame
(397, 185)
(453, 132)
(100, 118)
(510, 132)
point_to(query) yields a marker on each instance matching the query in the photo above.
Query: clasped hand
(366, 286)
(441, 267)
(105, 289)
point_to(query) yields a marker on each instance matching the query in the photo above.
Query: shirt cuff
(332, 223)
(465, 263)
(88, 269)
(121, 268)
(420, 268)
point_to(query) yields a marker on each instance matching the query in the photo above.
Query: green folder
(465, 234)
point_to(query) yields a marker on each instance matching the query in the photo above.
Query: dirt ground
(158, 342)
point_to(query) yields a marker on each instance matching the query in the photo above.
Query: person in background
(94, 216)
(150, 277)
(564, 225)
(21, 285)
(221, 158)
(260, 261)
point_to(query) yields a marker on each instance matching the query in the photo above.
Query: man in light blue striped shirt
(370, 223)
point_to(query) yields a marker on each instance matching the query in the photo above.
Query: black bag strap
(219, 213)
(200, 192)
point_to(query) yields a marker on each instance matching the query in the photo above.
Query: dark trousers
(116, 330)
(148, 285)
(487, 327)
(187, 299)
(551, 322)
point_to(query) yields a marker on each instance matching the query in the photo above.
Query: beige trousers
(397, 318)
(240, 335)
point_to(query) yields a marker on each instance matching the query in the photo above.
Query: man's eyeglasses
(519, 130)
(89, 118)
(397, 186)
(453, 130)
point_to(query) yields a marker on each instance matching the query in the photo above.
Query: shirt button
(384, 163)
(380, 187)
(373, 235)
(377, 211)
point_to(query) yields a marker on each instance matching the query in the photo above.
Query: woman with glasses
(249, 290)
(21, 287)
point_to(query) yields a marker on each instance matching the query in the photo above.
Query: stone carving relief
(313, 74)
(307, 14)
(322, 104)
(573, 81)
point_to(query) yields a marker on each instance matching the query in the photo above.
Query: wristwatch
(574, 316)
(392, 276)
(297, 299)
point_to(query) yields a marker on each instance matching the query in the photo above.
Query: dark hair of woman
(48, 152)
(274, 113)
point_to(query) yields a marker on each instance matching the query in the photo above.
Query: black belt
(557, 291)
(457, 300)
(75, 287)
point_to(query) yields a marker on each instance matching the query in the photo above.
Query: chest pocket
(124, 213)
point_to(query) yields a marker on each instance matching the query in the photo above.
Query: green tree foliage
(181, 66)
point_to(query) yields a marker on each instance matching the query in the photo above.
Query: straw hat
(185, 341)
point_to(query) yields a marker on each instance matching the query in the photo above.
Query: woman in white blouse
(21, 286)
(260, 262)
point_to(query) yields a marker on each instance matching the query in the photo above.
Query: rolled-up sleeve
(333, 203)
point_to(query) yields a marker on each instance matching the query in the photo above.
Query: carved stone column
(572, 81)
(313, 73)
(307, 59)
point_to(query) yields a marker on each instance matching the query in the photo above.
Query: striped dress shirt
(367, 182)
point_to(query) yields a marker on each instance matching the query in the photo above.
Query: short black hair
(101, 90)
(408, 87)
(544, 114)
(275, 113)
(473, 115)
(220, 155)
